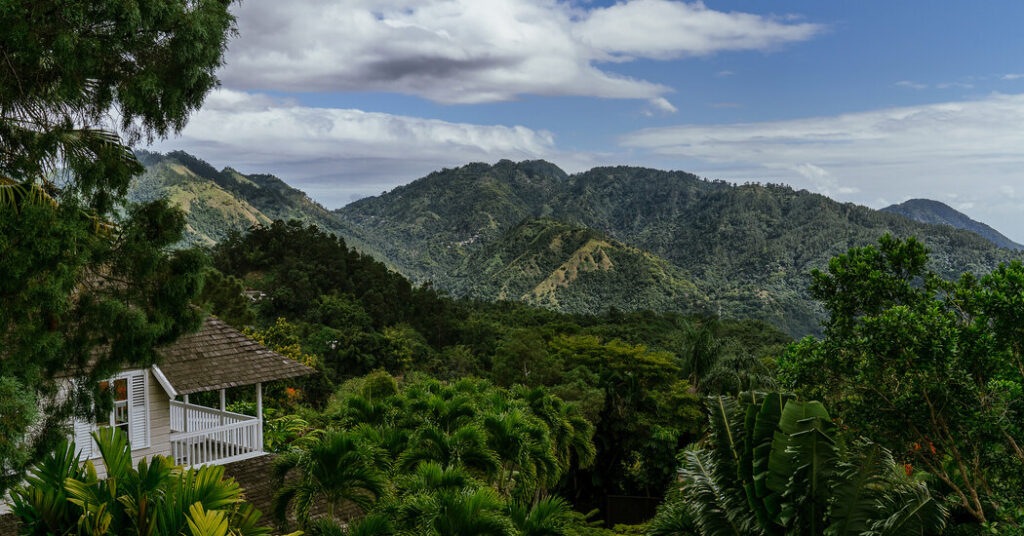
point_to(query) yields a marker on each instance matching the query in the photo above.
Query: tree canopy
(931, 369)
(87, 286)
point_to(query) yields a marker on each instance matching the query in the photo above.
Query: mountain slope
(423, 229)
(547, 263)
(928, 211)
(216, 202)
(749, 248)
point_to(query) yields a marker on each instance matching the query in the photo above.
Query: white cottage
(153, 406)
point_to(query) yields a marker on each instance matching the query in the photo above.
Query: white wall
(159, 430)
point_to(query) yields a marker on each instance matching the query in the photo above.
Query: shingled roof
(219, 356)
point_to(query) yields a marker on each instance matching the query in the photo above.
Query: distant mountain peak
(931, 211)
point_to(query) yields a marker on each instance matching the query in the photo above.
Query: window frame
(130, 377)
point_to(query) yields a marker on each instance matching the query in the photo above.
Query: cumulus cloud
(663, 105)
(662, 29)
(467, 51)
(972, 148)
(336, 155)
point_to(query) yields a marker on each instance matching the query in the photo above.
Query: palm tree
(524, 448)
(465, 446)
(338, 469)
(776, 466)
(717, 365)
(548, 517)
(465, 511)
(571, 434)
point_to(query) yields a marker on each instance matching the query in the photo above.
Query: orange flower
(917, 447)
(931, 446)
(907, 468)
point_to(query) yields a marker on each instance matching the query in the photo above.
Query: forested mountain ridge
(929, 211)
(458, 209)
(548, 263)
(748, 248)
(675, 241)
(216, 202)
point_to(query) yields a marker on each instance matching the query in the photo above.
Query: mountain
(928, 211)
(627, 237)
(216, 202)
(747, 248)
(547, 263)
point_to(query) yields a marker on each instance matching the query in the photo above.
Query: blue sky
(870, 102)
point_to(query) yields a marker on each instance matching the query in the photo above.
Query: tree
(931, 369)
(65, 496)
(773, 465)
(338, 469)
(548, 517)
(85, 284)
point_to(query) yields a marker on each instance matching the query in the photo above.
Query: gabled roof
(219, 356)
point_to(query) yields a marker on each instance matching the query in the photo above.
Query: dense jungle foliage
(637, 377)
(649, 383)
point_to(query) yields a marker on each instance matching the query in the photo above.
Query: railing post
(259, 417)
(223, 405)
(184, 414)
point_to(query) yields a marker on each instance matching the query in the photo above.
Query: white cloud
(336, 155)
(1012, 76)
(911, 84)
(663, 105)
(465, 51)
(662, 29)
(972, 148)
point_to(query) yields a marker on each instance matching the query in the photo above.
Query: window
(130, 413)
(119, 417)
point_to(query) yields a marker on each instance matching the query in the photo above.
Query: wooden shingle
(219, 356)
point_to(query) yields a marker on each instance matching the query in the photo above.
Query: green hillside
(572, 269)
(217, 202)
(425, 228)
(748, 248)
(627, 237)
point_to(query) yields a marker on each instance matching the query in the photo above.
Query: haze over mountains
(624, 237)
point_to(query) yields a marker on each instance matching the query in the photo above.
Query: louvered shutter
(83, 440)
(138, 411)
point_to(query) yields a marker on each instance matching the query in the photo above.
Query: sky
(872, 102)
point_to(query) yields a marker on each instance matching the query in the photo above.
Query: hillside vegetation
(216, 202)
(624, 237)
(548, 263)
(749, 248)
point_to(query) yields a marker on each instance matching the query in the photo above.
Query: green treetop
(86, 285)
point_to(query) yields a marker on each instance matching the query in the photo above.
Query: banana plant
(775, 466)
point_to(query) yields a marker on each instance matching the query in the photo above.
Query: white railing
(193, 418)
(201, 435)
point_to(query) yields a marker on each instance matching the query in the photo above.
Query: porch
(201, 435)
(215, 358)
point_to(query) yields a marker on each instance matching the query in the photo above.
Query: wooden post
(259, 416)
(184, 414)
(223, 405)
